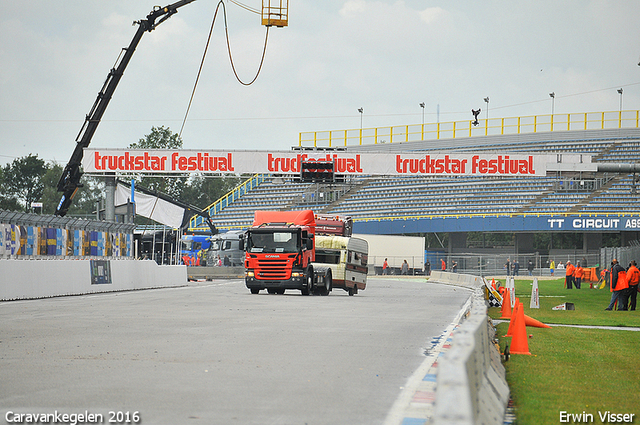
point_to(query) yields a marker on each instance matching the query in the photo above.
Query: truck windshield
(189, 245)
(273, 242)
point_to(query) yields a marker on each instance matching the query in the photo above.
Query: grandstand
(559, 201)
(398, 198)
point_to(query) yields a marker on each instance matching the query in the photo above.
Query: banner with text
(98, 161)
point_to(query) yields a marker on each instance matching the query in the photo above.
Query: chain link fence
(533, 264)
(624, 255)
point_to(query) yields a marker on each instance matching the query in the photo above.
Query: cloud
(433, 14)
(353, 7)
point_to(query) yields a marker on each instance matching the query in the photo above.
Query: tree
(84, 203)
(50, 195)
(7, 202)
(23, 180)
(161, 138)
(203, 191)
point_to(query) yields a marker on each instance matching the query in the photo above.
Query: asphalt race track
(212, 353)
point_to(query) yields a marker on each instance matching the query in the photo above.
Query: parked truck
(226, 245)
(280, 254)
(191, 249)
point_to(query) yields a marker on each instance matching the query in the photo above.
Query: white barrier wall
(26, 279)
(458, 279)
(471, 384)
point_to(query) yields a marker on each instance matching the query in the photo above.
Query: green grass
(571, 369)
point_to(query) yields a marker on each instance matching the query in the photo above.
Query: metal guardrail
(36, 236)
(197, 222)
(70, 223)
(466, 128)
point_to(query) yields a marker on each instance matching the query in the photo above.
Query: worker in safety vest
(577, 275)
(569, 275)
(633, 277)
(618, 279)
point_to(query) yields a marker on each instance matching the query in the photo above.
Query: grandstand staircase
(346, 195)
(534, 201)
(587, 199)
(611, 147)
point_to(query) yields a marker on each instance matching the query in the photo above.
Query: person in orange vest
(385, 267)
(619, 284)
(569, 275)
(443, 265)
(633, 277)
(577, 275)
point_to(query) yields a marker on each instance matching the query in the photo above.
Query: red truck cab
(279, 250)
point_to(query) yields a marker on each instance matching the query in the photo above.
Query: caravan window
(359, 258)
(327, 257)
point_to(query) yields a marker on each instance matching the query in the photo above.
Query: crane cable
(264, 50)
(244, 6)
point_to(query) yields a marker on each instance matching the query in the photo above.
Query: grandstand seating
(399, 197)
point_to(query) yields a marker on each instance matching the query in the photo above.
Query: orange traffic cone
(514, 315)
(505, 311)
(519, 341)
(529, 321)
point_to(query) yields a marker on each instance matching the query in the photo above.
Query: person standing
(530, 267)
(552, 267)
(618, 285)
(633, 277)
(443, 265)
(577, 275)
(569, 275)
(405, 268)
(507, 266)
(385, 267)
(427, 268)
(516, 267)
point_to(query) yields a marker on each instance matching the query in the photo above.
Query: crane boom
(70, 180)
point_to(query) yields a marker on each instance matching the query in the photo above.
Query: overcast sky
(336, 56)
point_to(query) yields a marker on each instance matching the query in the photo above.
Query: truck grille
(273, 269)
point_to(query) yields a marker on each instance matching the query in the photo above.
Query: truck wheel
(327, 283)
(309, 278)
(254, 290)
(351, 292)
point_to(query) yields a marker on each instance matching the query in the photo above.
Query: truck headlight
(296, 274)
(250, 273)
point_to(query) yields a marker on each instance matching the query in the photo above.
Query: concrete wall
(471, 384)
(208, 273)
(27, 279)
(457, 279)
